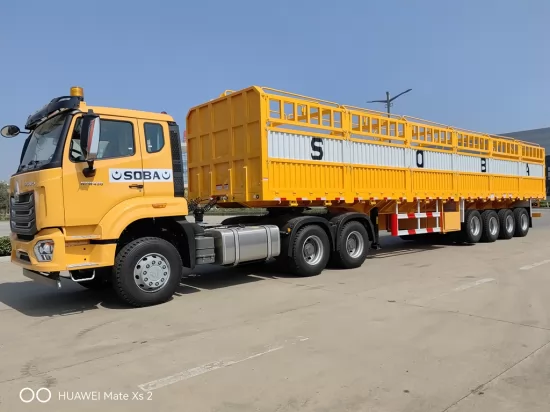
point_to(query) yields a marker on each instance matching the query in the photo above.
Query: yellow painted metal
(451, 221)
(94, 207)
(228, 138)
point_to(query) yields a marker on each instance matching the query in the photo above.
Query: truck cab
(88, 176)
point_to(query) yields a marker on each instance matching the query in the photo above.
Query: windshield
(42, 143)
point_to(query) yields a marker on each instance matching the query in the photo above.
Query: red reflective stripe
(394, 224)
(411, 215)
(429, 214)
(430, 230)
(412, 232)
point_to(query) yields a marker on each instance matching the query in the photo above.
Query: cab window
(154, 137)
(116, 140)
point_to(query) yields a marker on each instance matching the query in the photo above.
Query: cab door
(157, 158)
(118, 168)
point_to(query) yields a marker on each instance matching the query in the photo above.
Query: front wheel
(147, 271)
(310, 251)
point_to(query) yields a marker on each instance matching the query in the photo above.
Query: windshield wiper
(31, 163)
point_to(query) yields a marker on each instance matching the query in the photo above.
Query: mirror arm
(89, 171)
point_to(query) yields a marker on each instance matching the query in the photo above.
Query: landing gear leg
(374, 219)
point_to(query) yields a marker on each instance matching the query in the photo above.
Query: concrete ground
(418, 328)
(4, 228)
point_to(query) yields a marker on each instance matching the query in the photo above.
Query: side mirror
(10, 131)
(89, 140)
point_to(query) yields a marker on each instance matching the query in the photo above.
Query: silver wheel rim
(313, 250)
(355, 244)
(493, 225)
(152, 272)
(509, 223)
(475, 226)
(524, 222)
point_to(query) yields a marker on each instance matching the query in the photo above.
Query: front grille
(23, 214)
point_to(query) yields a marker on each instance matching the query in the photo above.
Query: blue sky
(477, 64)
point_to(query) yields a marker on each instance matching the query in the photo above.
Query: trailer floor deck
(417, 328)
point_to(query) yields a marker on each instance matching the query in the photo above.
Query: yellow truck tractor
(98, 196)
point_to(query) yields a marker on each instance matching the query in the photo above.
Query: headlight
(43, 250)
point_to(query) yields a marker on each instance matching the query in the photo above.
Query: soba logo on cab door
(139, 175)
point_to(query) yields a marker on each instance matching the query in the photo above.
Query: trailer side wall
(263, 147)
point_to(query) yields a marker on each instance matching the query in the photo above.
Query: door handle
(136, 186)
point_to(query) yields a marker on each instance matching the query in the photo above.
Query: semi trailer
(99, 195)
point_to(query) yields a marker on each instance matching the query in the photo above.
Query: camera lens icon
(42, 395)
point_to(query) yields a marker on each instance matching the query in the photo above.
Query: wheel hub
(312, 250)
(524, 222)
(152, 272)
(355, 244)
(493, 225)
(509, 223)
(475, 226)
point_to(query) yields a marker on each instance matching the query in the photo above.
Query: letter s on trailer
(103, 203)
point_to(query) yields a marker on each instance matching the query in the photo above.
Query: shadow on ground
(37, 300)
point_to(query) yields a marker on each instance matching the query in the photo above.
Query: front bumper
(67, 255)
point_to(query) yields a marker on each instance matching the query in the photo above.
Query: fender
(298, 222)
(190, 230)
(340, 220)
(123, 214)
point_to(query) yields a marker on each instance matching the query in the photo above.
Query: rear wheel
(354, 246)
(147, 271)
(522, 222)
(491, 226)
(507, 224)
(310, 251)
(471, 228)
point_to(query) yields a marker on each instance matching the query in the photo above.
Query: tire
(312, 240)
(102, 279)
(131, 281)
(354, 246)
(491, 226)
(521, 218)
(472, 227)
(507, 224)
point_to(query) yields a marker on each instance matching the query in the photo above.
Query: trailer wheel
(147, 271)
(310, 251)
(507, 224)
(471, 228)
(491, 226)
(354, 246)
(522, 222)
